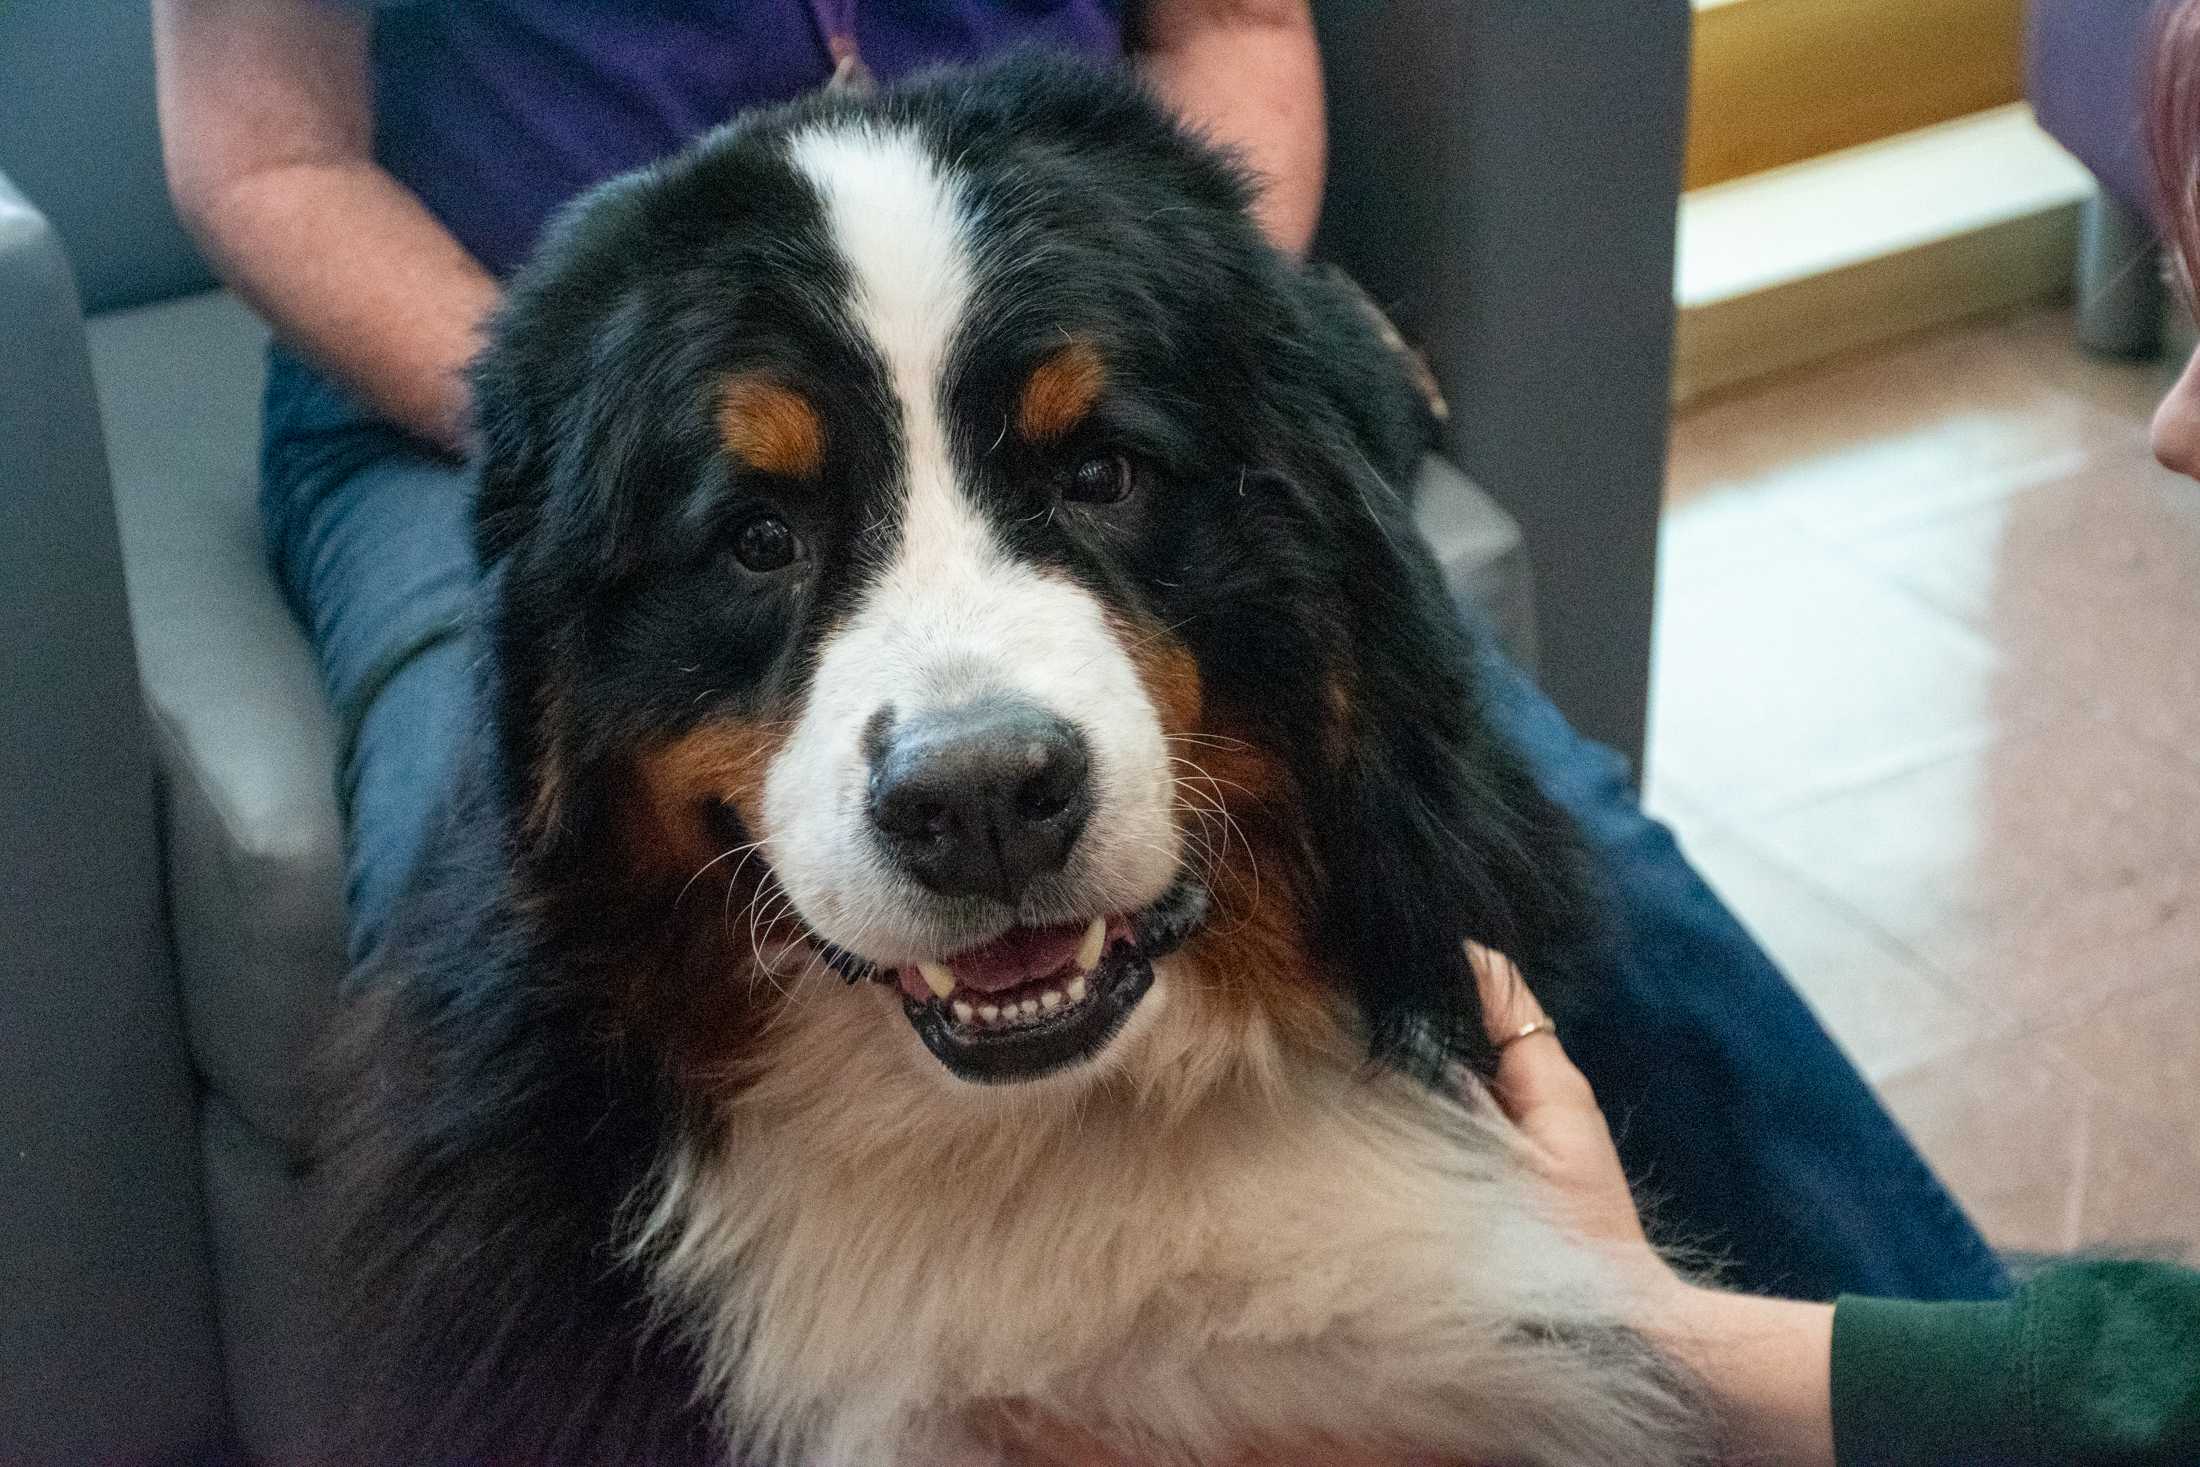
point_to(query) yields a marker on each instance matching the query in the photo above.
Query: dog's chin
(1034, 1002)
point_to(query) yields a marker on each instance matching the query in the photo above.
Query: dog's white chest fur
(1181, 1263)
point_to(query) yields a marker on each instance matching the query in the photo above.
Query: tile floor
(1927, 710)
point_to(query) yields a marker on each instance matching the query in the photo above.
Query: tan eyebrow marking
(770, 427)
(1060, 391)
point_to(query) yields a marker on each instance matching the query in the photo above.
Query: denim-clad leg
(371, 538)
(1733, 1108)
(1752, 1133)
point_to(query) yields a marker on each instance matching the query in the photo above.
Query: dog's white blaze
(898, 223)
(952, 617)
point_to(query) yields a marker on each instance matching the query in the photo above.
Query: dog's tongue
(1017, 956)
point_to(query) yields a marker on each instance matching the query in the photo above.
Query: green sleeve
(2089, 1363)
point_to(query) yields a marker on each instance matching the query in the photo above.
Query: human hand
(1767, 1362)
(1556, 1112)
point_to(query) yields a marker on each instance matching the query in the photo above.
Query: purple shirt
(495, 112)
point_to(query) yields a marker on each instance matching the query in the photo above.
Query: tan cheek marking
(1166, 670)
(722, 761)
(1254, 961)
(694, 994)
(1253, 955)
(771, 428)
(1170, 675)
(1060, 392)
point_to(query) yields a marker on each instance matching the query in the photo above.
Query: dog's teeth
(1088, 951)
(1076, 990)
(938, 977)
(964, 1013)
(1050, 1000)
(1029, 1008)
(990, 1012)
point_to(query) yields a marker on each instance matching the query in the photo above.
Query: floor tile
(2141, 1189)
(1722, 531)
(2045, 871)
(2144, 1048)
(1664, 800)
(1802, 674)
(1883, 1006)
(1893, 439)
(2008, 1127)
(2088, 586)
(2045, 344)
(2142, 1178)
(1927, 712)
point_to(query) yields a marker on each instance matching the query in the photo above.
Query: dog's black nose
(981, 799)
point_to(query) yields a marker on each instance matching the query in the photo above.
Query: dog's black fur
(502, 1092)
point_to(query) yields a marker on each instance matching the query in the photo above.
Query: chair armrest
(1504, 179)
(241, 728)
(107, 1338)
(1479, 550)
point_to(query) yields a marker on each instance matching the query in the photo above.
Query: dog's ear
(552, 449)
(1428, 828)
(558, 449)
(562, 347)
(516, 382)
(546, 469)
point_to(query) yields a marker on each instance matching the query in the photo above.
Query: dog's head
(936, 533)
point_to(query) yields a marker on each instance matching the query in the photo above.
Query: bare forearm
(267, 121)
(1248, 74)
(1768, 1364)
(352, 270)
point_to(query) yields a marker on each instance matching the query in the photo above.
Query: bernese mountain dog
(948, 950)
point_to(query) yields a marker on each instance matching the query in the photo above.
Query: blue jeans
(1753, 1138)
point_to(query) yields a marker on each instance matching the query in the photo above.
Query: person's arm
(1248, 74)
(2095, 1363)
(1765, 1361)
(267, 125)
(1766, 1364)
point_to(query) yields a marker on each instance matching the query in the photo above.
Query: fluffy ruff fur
(983, 389)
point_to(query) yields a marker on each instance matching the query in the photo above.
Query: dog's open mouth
(1035, 1000)
(1032, 1001)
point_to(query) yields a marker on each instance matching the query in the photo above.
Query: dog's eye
(1105, 480)
(765, 544)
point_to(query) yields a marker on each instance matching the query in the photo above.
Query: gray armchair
(170, 853)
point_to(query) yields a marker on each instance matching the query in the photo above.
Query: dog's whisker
(1230, 827)
(722, 855)
(1217, 781)
(780, 904)
(725, 912)
(1207, 740)
(1135, 647)
(1221, 878)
